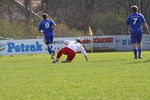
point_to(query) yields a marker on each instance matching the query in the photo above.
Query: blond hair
(45, 15)
(134, 8)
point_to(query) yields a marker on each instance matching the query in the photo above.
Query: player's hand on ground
(86, 58)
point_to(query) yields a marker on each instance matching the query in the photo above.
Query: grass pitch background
(107, 76)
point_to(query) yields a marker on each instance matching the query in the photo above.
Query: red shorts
(66, 51)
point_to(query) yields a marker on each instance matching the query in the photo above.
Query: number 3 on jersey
(47, 25)
(135, 20)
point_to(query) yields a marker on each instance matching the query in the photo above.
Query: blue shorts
(49, 39)
(136, 38)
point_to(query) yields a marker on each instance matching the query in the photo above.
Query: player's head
(45, 16)
(134, 8)
(79, 40)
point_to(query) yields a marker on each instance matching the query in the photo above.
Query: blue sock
(49, 50)
(135, 52)
(139, 51)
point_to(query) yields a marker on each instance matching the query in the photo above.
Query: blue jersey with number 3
(46, 26)
(136, 21)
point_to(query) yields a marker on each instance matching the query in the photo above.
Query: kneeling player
(72, 48)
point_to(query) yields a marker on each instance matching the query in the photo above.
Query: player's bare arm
(53, 27)
(127, 30)
(147, 28)
(86, 58)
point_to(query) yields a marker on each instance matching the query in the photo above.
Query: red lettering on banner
(103, 40)
(99, 40)
(86, 41)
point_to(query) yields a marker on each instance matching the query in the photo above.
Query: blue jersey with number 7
(46, 26)
(136, 21)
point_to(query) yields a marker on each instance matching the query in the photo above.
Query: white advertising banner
(28, 46)
(123, 43)
(99, 43)
(15, 47)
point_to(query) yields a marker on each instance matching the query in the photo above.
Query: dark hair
(134, 8)
(79, 40)
(45, 15)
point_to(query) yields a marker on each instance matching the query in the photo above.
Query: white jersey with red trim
(76, 47)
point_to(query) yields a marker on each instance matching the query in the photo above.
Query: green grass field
(107, 76)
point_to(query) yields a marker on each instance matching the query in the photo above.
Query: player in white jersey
(72, 47)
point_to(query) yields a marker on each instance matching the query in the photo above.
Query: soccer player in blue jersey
(47, 27)
(134, 27)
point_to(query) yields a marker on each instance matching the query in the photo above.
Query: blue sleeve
(52, 22)
(40, 26)
(128, 21)
(143, 19)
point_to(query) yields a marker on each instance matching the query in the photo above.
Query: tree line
(73, 17)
